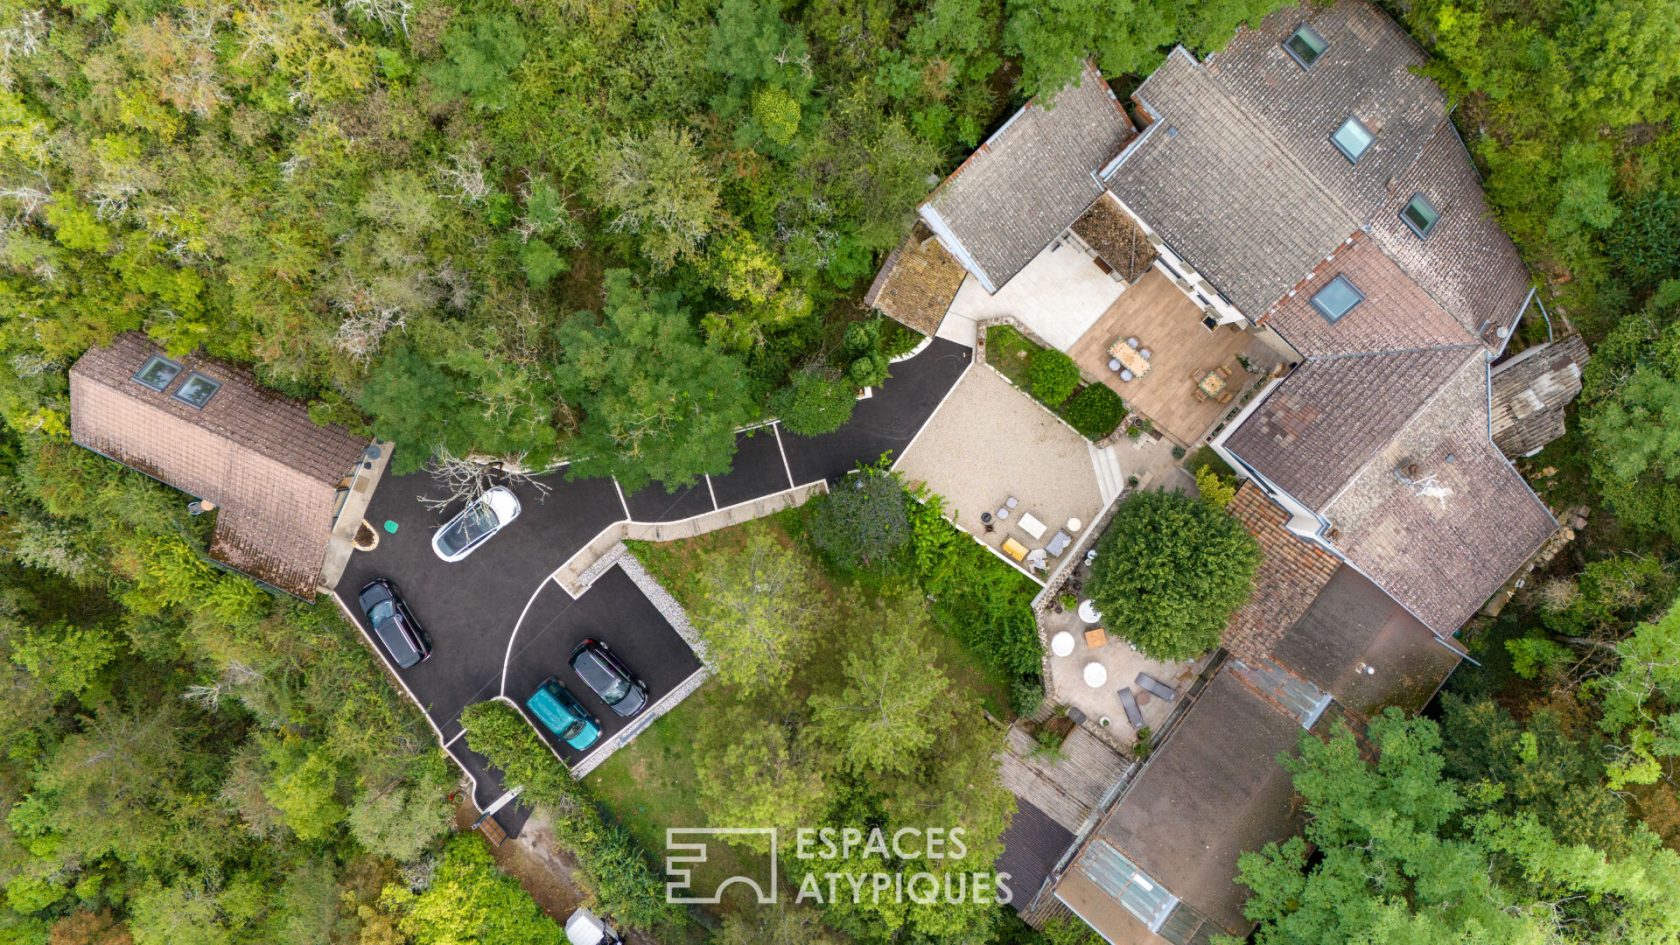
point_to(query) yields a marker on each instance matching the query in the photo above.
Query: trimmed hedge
(626, 886)
(1053, 376)
(1095, 411)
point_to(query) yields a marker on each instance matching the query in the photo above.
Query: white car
(586, 928)
(483, 517)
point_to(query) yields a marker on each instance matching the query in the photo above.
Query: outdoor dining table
(1212, 384)
(1129, 358)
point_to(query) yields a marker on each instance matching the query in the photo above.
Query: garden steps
(1111, 477)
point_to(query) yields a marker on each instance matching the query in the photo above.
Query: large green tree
(1403, 853)
(1630, 412)
(757, 611)
(658, 405)
(1169, 573)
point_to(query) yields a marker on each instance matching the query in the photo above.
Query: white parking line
(621, 503)
(506, 657)
(776, 428)
(713, 492)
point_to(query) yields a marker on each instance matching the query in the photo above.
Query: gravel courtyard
(990, 441)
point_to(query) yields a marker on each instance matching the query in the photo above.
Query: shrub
(1052, 375)
(1095, 411)
(817, 402)
(497, 731)
(1026, 694)
(862, 524)
(1170, 571)
(981, 602)
(1214, 487)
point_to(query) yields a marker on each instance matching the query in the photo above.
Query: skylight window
(157, 372)
(197, 390)
(1420, 215)
(1352, 139)
(1305, 46)
(1337, 298)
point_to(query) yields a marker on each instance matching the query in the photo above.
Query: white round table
(1088, 612)
(1062, 644)
(1095, 675)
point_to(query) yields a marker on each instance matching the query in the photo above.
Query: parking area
(499, 625)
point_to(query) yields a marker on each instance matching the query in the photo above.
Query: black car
(394, 624)
(609, 678)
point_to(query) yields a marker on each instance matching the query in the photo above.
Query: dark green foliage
(861, 524)
(866, 365)
(1629, 401)
(658, 404)
(982, 602)
(1402, 843)
(478, 53)
(1642, 243)
(817, 402)
(1053, 375)
(1095, 411)
(626, 886)
(1169, 573)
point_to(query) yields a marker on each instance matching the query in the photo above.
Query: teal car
(560, 713)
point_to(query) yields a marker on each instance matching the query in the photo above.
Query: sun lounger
(1155, 687)
(1058, 543)
(1014, 549)
(1129, 702)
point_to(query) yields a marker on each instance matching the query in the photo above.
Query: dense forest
(612, 232)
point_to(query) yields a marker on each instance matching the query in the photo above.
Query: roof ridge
(1424, 349)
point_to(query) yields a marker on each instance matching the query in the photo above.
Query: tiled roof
(1314, 432)
(1032, 845)
(1365, 72)
(1029, 181)
(1354, 626)
(1397, 315)
(1442, 537)
(1213, 790)
(1222, 193)
(272, 473)
(1530, 392)
(1292, 572)
(917, 282)
(1467, 263)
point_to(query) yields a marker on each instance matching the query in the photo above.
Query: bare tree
(390, 14)
(464, 479)
(364, 327)
(465, 176)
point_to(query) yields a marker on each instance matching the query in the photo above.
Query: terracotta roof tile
(272, 473)
(1292, 572)
(1530, 392)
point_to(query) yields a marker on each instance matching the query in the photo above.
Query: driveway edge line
(392, 672)
(501, 684)
(776, 428)
(934, 413)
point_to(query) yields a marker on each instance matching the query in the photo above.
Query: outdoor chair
(1227, 397)
(1223, 371)
(1155, 687)
(1200, 395)
(1128, 702)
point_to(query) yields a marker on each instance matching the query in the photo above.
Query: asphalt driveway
(499, 625)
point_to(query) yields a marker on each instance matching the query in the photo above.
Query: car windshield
(382, 611)
(573, 730)
(475, 523)
(608, 684)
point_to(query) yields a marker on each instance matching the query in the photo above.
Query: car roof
(502, 500)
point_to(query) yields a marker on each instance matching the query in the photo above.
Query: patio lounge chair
(1128, 702)
(1155, 687)
(1058, 543)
